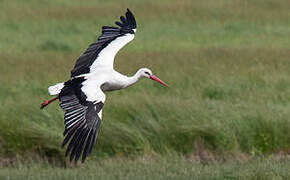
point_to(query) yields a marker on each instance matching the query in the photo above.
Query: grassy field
(227, 64)
(146, 168)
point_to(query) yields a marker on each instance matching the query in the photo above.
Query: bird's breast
(115, 81)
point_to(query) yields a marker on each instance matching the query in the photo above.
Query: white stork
(82, 97)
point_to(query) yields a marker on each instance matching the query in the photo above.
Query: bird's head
(147, 73)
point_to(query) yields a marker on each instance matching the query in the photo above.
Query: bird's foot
(45, 103)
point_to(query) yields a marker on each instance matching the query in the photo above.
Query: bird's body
(82, 97)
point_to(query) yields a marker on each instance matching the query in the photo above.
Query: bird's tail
(56, 89)
(53, 90)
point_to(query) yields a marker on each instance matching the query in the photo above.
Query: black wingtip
(119, 24)
(129, 21)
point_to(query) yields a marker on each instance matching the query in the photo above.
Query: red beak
(155, 78)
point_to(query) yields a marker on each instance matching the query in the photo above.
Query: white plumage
(107, 55)
(54, 90)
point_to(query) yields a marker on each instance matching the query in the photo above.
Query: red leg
(47, 102)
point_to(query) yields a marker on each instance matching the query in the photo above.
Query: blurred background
(228, 69)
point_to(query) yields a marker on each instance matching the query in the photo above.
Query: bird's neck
(132, 80)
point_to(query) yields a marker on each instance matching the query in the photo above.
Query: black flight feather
(81, 122)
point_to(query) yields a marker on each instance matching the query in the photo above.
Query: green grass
(153, 168)
(226, 62)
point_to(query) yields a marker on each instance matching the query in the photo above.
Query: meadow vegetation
(159, 168)
(226, 62)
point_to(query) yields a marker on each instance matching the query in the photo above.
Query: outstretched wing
(103, 51)
(83, 113)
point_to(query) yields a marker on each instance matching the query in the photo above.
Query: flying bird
(82, 97)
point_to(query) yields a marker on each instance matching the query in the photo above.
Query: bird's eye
(147, 73)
